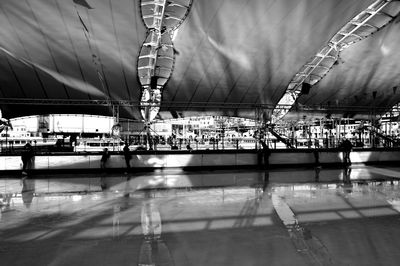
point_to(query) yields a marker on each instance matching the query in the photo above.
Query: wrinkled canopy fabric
(227, 52)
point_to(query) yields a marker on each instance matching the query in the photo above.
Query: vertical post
(344, 128)
(390, 124)
(257, 120)
(334, 133)
(83, 123)
(293, 136)
(115, 110)
(321, 134)
(6, 139)
(386, 133)
(223, 136)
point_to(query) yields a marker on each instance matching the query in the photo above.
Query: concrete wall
(47, 162)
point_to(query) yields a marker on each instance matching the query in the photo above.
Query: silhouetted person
(127, 156)
(266, 153)
(104, 158)
(180, 143)
(316, 156)
(188, 147)
(316, 143)
(317, 171)
(27, 156)
(346, 146)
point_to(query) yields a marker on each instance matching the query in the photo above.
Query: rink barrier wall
(182, 159)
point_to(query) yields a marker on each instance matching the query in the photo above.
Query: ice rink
(335, 216)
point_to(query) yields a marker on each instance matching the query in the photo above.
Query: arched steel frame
(370, 20)
(157, 56)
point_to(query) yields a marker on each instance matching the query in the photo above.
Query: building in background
(64, 124)
(324, 132)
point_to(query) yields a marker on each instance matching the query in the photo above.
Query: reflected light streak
(52, 234)
(213, 224)
(76, 198)
(283, 210)
(154, 161)
(395, 203)
(164, 161)
(174, 34)
(374, 212)
(173, 181)
(71, 81)
(31, 236)
(235, 55)
(386, 172)
(319, 217)
(361, 204)
(151, 220)
(65, 79)
(93, 233)
(156, 181)
(385, 50)
(147, 229)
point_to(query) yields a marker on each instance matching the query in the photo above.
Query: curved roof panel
(364, 68)
(229, 55)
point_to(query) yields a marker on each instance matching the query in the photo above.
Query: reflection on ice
(252, 192)
(324, 202)
(28, 189)
(151, 214)
(154, 250)
(151, 221)
(117, 213)
(283, 210)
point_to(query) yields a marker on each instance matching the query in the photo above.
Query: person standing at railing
(265, 154)
(316, 143)
(346, 147)
(188, 147)
(27, 157)
(127, 156)
(104, 158)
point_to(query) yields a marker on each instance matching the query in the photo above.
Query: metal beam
(315, 66)
(187, 106)
(336, 44)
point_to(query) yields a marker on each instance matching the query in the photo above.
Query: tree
(5, 124)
